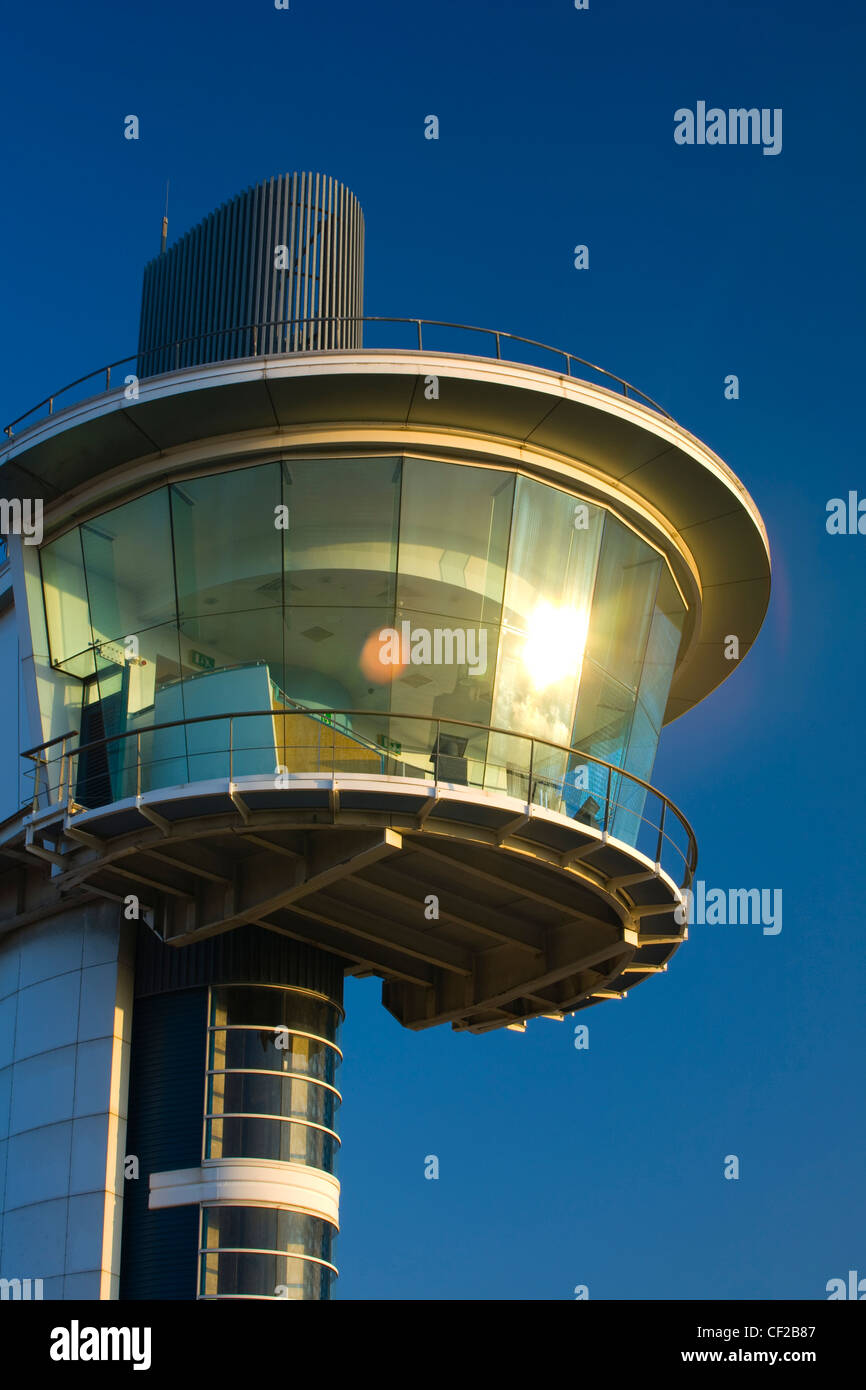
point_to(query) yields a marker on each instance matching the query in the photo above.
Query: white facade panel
(50, 948)
(34, 1242)
(67, 1028)
(9, 709)
(44, 1090)
(48, 1015)
(38, 1165)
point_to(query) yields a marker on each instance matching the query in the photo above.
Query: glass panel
(314, 743)
(458, 754)
(402, 747)
(107, 718)
(642, 745)
(507, 768)
(521, 702)
(551, 569)
(454, 524)
(66, 610)
(603, 718)
(341, 541)
(270, 1008)
(127, 559)
(227, 661)
(549, 766)
(622, 605)
(91, 771)
(228, 549)
(232, 641)
(650, 807)
(628, 823)
(601, 728)
(129, 694)
(627, 810)
(282, 1141)
(126, 696)
(585, 791)
(81, 666)
(554, 549)
(250, 1093)
(441, 667)
(332, 657)
(267, 1228)
(675, 848)
(662, 648)
(247, 1047)
(264, 1276)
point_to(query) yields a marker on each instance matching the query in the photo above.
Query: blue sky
(557, 1167)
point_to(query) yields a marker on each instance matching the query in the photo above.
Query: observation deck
(593, 432)
(476, 906)
(459, 860)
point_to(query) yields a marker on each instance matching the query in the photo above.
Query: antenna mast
(164, 221)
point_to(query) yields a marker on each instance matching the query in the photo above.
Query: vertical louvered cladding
(288, 298)
(181, 295)
(303, 258)
(201, 298)
(251, 212)
(350, 267)
(328, 309)
(294, 254)
(231, 314)
(166, 1100)
(219, 308)
(342, 296)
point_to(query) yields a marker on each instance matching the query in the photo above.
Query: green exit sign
(207, 663)
(389, 744)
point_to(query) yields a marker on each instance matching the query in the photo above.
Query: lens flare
(377, 660)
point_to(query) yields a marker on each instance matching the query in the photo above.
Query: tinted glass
(227, 546)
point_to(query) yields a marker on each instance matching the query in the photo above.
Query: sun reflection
(555, 644)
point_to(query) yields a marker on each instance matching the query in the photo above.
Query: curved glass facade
(392, 586)
(272, 1058)
(272, 1061)
(265, 1252)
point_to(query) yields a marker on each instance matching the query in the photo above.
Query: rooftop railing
(273, 337)
(290, 744)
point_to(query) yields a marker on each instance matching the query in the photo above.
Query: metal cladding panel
(166, 1108)
(220, 278)
(248, 955)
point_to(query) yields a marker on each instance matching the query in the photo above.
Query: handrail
(40, 747)
(255, 328)
(231, 715)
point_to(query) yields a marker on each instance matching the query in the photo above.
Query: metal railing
(180, 355)
(442, 751)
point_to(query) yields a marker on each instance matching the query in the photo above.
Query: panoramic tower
(345, 649)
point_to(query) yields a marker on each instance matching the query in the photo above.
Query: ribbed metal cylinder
(248, 955)
(269, 271)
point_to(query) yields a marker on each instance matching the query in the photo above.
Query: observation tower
(345, 650)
